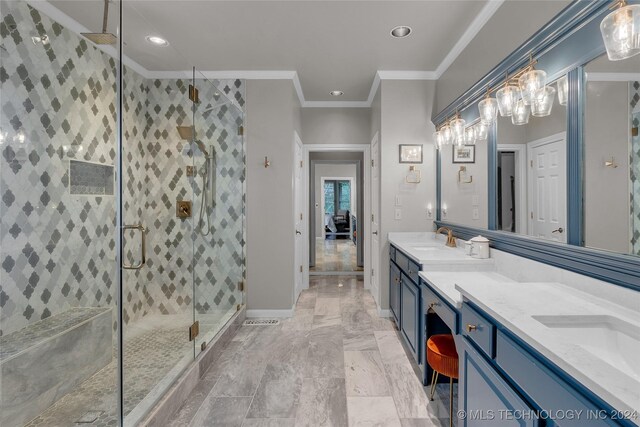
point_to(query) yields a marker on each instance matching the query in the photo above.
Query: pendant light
(563, 90)
(507, 97)
(457, 128)
(470, 135)
(543, 101)
(446, 135)
(530, 83)
(482, 132)
(520, 114)
(437, 139)
(488, 110)
(621, 31)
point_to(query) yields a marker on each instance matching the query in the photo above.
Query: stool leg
(434, 381)
(451, 402)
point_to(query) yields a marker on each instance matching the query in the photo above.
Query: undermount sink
(608, 338)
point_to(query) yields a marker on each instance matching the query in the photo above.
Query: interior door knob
(298, 232)
(375, 232)
(558, 230)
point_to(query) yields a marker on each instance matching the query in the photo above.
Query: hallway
(335, 255)
(335, 363)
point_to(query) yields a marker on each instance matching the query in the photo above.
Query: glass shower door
(218, 187)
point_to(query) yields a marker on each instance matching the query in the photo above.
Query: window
(337, 193)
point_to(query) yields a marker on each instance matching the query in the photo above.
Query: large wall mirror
(612, 155)
(531, 172)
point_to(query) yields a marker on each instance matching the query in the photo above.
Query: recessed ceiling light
(401, 31)
(158, 41)
(336, 93)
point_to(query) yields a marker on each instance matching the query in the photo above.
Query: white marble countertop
(444, 283)
(614, 376)
(429, 250)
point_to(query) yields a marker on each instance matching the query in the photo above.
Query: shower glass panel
(157, 200)
(218, 187)
(58, 272)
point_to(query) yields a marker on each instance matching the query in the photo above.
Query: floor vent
(261, 322)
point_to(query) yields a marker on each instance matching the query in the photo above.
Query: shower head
(104, 37)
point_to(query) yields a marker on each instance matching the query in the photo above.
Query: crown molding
(472, 30)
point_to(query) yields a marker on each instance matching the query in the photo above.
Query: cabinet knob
(471, 328)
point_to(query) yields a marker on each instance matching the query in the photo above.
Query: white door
(548, 188)
(375, 218)
(298, 195)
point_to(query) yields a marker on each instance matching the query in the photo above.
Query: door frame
(365, 149)
(556, 137)
(521, 154)
(322, 200)
(303, 222)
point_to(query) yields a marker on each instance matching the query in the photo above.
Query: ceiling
(332, 45)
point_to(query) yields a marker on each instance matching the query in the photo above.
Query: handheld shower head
(202, 148)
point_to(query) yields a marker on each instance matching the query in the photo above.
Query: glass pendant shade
(457, 128)
(520, 114)
(530, 83)
(507, 97)
(470, 135)
(563, 90)
(437, 139)
(482, 132)
(621, 32)
(543, 102)
(446, 135)
(488, 110)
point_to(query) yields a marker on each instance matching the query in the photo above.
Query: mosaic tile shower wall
(58, 250)
(634, 99)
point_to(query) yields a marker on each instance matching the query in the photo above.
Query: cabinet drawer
(413, 270)
(478, 329)
(544, 387)
(392, 253)
(431, 300)
(402, 261)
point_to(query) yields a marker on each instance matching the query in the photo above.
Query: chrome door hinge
(300, 269)
(531, 163)
(193, 94)
(372, 163)
(531, 215)
(372, 218)
(301, 216)
(194, 330)
(372, 271)
(301, 163)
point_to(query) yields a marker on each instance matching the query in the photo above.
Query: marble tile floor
(153, 347)
(335, 255)
(334, 363)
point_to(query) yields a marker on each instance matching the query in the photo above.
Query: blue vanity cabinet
(410, 315)
(487, 399)
(394, 292)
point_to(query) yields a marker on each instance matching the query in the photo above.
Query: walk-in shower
(89, 157)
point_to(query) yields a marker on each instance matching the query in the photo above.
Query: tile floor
(335, 255)
(335, 363)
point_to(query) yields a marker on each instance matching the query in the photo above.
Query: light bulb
(457, 127)
(482, 131)
(543, 101)
(488, 108)
(447, 135)
(507, 98)
(470, 135)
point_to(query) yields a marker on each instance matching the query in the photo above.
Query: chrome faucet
(451, 239)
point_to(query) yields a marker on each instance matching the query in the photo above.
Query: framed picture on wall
(410, 153)
(464, 154)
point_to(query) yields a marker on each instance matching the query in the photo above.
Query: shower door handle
(143, 247)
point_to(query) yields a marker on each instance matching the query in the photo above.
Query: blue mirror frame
(562, 46)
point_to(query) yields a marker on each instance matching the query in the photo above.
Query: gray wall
(335, 125)
(500, 36)
(405, 109)
(272, 116)
(331, 170)
(606, 190)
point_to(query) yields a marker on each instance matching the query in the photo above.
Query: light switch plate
(398, 200)
(398, 214)
(475, 200)
(429, 214)
(476, 213)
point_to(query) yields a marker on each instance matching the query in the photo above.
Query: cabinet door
(487, 399)
(410, 317)
(394, 292)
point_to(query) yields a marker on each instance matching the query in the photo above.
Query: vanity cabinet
(501, 377)
(394, 292)
(404, 299)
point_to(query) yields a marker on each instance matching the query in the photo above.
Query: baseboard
(384, 313)
(270, 313)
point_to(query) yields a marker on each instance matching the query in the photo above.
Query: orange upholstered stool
(443, 359)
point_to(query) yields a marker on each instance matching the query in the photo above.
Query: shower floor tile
(150, 354)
